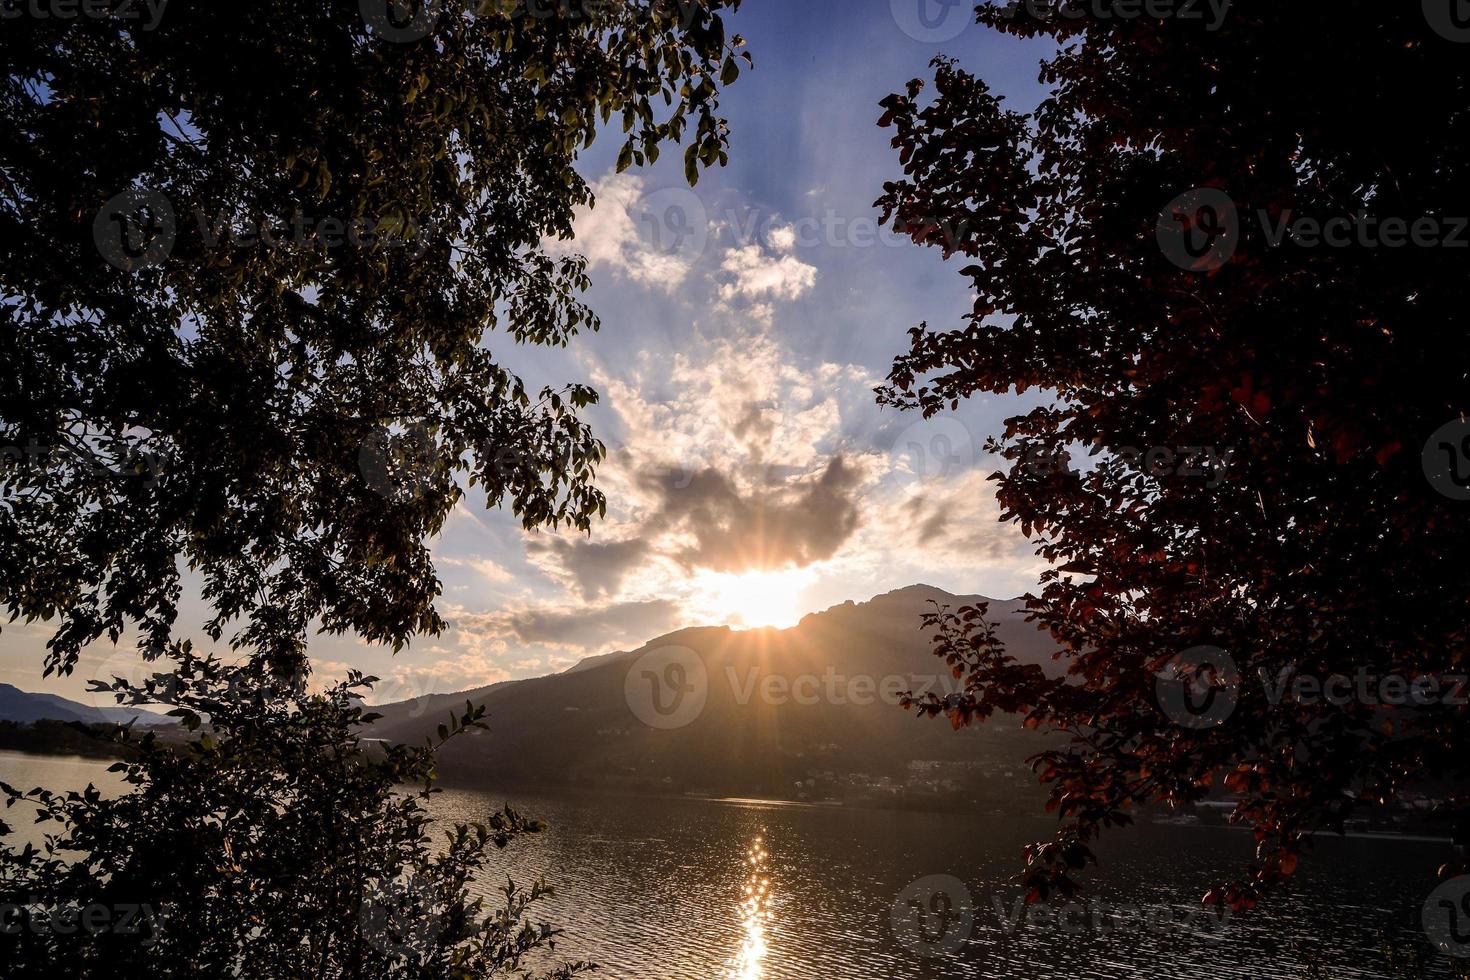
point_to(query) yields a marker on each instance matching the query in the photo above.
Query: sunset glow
(755, 599)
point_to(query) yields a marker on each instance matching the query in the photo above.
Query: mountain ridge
(810, 711)
(27, 707)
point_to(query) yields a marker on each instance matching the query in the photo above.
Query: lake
(674, 889)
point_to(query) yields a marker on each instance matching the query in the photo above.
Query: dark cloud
(598, 568)
(769, 527)
(933, 524)
(755, 427)
(586, 629)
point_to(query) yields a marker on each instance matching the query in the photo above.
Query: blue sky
(745, 324)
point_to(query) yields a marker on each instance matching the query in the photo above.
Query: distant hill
(792, 714)
(26, 708)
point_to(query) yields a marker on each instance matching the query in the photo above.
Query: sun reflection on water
(755, 914)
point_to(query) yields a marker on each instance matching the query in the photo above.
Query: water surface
(673, 889)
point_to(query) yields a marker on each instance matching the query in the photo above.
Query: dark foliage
(287, 414)
(46, 737)
(1320, 547)
(252, 260)
(272, 845)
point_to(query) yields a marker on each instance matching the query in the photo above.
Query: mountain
(808, 712)
(24, 707)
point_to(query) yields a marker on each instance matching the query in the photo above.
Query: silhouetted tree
(271, 845)
(1227, 480)
(250, 259)
(286, 412)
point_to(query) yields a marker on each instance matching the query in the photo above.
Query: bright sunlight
(754, 599)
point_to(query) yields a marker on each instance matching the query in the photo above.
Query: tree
(1227, 480)
(270, 845)
(251, 256)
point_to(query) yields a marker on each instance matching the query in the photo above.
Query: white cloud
(483, 567)
(783, 239)
(609, 236)
(761, 276)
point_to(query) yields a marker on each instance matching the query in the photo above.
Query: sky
(752, 478)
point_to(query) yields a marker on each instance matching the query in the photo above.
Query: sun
(753, 599)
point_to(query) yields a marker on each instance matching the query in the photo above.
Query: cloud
(952, 524)
(587, 628)
(595, 569)
(723, 529)
(483, 567)
(782, 238)
(442, 676)
(608, 235)
(761, 276)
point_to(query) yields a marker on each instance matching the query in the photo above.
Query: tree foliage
(1320, 548)
(290, 414)
(272, 845)
(252, 261)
